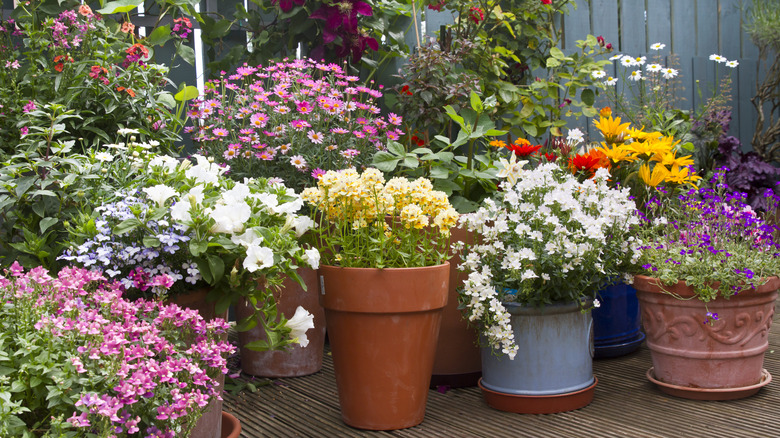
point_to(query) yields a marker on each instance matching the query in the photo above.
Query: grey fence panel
(659, 22)
(632, 26)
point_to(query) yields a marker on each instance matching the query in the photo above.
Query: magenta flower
(30, 106)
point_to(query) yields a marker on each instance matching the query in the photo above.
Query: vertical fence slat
(604, 22)
(729, 35)
(706, 27)
(683, 44)
(659, 22)
(632, 26)
(576, 26)
(747, 88)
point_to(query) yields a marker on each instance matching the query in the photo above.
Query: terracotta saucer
(539, 404)
(710, 393)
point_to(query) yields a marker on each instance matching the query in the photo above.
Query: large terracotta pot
(458, 362)
(295, 361)
(383, 325)
(693, 359)
(210, 424)
(553, 369)
(231, 427)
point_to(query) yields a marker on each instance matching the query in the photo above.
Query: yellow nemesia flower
(657, 176)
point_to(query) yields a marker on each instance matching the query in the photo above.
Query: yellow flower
(681, 175)
(649, 148)
(605, 112)
(612, 130)
(656, 177)
(617, 153)
(640, 135)
(413, 217)
(498, 143)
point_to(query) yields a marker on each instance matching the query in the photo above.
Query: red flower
(405, 90)
(546, 2)
(551, 157)
(60, 62)
(523, 150)
(126, 90)
(476, 14)
(588, 162)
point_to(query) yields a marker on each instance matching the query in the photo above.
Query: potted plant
(80, 359)
(545, 245)
(289, 121)
(707, 284)
(384, 280)
(639, 160)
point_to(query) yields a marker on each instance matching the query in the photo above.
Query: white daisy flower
(669, 73)
(610, 81)
(298, 161)
(657, 46)
(717, 58)
(615, 57)
(598, 74)
(640, 60)
(635, 75)
(732, 64)
(627, 61)
(654, 68)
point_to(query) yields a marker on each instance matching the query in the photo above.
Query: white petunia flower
(258, 257)
(301, 322)
(160, 193)
(302, 225)
(230, 218)
(312, 257)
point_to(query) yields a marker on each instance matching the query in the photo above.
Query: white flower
(289, 207)
(657, 46)
(298, 161)
(237, 194)
(165, 161)
(312, 256)
(159, 193)
(615, 57)
(598, 74)
(103, 156)
(180, 212)
(126, 131)
(636, 75)
(230, 218)
(669, 73)
(717, 58)
(654, 68)
(299, 324)
(302, 225)
(510, 169)
(205, 172)
(258, 257)
(575, 136)
(627, 61)
(732, 64)
(610, 81)
(596, 303)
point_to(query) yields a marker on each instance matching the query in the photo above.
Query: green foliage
(466, 178)
(54, 54)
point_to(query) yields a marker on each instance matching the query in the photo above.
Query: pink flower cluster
(290, 118)
(156, 363)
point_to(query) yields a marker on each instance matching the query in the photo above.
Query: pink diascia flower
(30, 106)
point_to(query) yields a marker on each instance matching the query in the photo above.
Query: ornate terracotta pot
(695, 359)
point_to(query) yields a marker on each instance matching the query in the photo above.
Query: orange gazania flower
(498, 143)
(523, 147)
(589, 162)
(605, 112)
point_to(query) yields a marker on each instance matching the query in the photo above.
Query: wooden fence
(691, 29)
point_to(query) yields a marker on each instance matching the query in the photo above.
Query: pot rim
(548, 309)
(383, 269)
(655, 284)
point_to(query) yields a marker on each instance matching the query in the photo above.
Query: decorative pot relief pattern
(737, 330)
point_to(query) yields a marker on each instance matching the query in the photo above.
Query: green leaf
(23, 184)
(151, 242)
(476, 102)
(385, 162)
(217, 267)
(187, 93)
(439, 172)
(588, 97)
(47, 222)
(396, 148)
(203, 267)
(127, 226)
(528, 109)
(557, 53)
(411, 162)
(552, 63)
(187, 53)
(119, 7)
(159, 36)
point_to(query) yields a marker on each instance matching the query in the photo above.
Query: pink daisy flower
(315, 137)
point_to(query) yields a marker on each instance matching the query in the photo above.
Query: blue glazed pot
(616, 323)
(555, 353)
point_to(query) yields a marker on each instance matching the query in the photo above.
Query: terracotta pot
(210, 424)
(231, 427)
(458, 360)
(383, 325)
(718, 361)
(295, 361)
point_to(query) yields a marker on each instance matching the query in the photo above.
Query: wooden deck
(625, 405)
